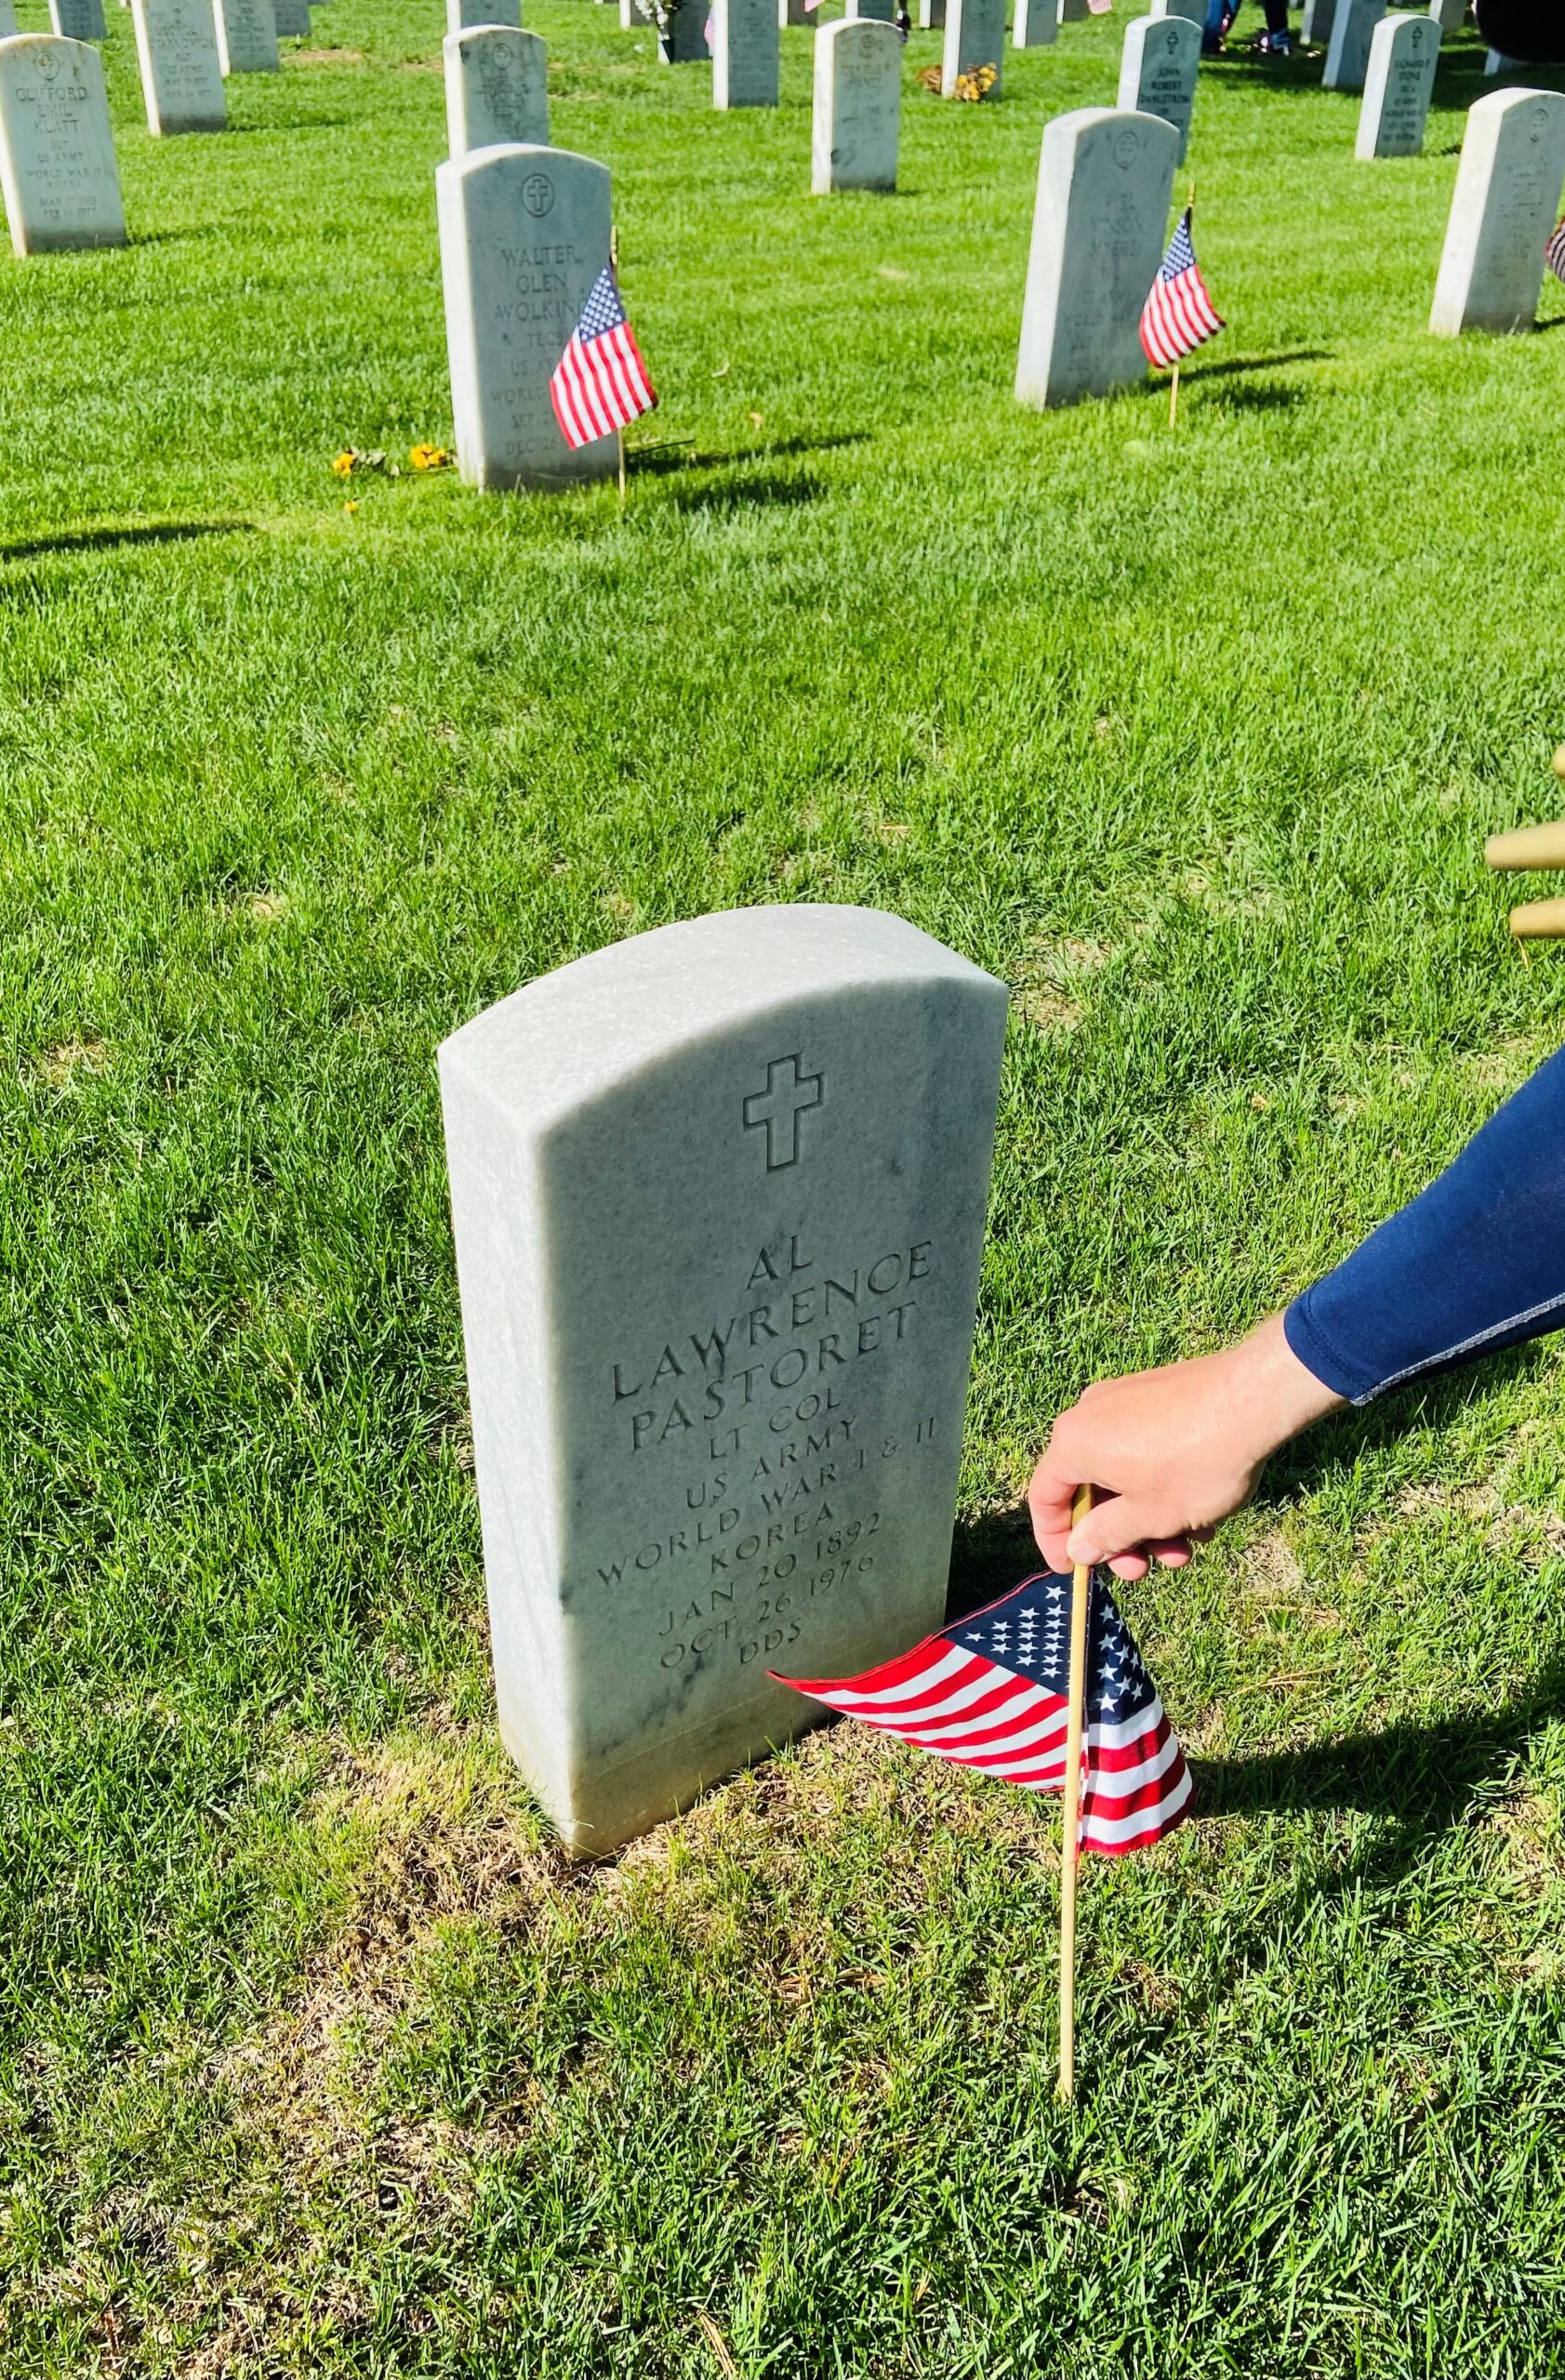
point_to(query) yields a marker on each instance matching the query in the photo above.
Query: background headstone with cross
(719, 1200)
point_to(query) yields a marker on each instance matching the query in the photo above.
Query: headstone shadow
(141, 533)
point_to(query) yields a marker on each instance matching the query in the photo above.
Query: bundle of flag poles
(1046, 1690)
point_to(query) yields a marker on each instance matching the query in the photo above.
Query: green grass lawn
(315, 2056)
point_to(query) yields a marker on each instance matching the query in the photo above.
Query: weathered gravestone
(719, 1201)
(58, 168)
(524, 236)
(79, 19)
(1347, 55)
(460, 14)
(1502, 211)
(1193, 9)
(932, 16)
(1398, 86)
(1158, 69)
(1495, 61)
(974, 36)
(7, 19)
(293, 20)
(1104, 181)
(857, 107)
(181, 80)
(1034, 24)
(1450, 15)
(746, 54)
(246, 36)
(1316, 25)
(497, 87)
(682, 36)
(1071, 12)
(793, 12)
(878, 12)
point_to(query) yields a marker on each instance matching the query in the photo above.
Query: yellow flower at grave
(431, 458)
(344, 462)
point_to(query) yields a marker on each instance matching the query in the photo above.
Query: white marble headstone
(683, 40)
(1034, 24)
(497, 87)
(880, 12)
(58, 168)
(79, 19)
(1314, 25)
(932, 16)
(1098, 234)
(246, 36)
(1450, 15)
(524, 234)
(460, 14)
(1158, 69)
(1348, 56)
(293, 20)
(1194, 10)
(1404, 53)
(858, 114)
(974, 36)
(746, 54)
(1072, 12)
(793, 12)
(7, 19)
(181, 80)
(1502, 211)
(719, 1200)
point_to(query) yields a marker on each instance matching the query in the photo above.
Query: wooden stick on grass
(1070, 1848)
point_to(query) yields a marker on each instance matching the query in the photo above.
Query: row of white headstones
(525, 228)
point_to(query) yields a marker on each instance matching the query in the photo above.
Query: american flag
(1554, 250)
(993, 1691)
(1178, 315)
(600, 383)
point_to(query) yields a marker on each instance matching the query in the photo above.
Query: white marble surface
(684, 40)
(497, 89)
(7, 19)
(1404, 52)
(857, 116)
(246, 36)
(58, 168)
(181, 80)
(1503, 209)
(460, 14)
(719, 1197)
(746, 54)
(974, 36)
(1193, 9)
(1098, 233)
(1034, 24)
(524, 236)
(1158, 69)
(293, 20)
(1314, 25)
(1348, 53)
(78, 19)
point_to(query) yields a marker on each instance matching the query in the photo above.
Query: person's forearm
(1475, 1263)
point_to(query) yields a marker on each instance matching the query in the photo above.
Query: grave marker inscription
(746, 54)
(524, 236)
(1158, 69)
(1404, 52)
(719, 1201)
(1502, 210)
(497, 87)
(857, 107)
(58, 168)
(181, 80)
(246, 36)
(1103, 179)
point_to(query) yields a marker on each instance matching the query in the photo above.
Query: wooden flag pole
(619, 434)
(1080, 1589)
(1173, 397)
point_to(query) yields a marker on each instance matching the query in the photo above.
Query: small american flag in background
(1554, 250)
(1100, 8)
(1178, 315)
(994, 1692)
(600, 383)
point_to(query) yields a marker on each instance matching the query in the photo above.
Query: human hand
(1170, 1452)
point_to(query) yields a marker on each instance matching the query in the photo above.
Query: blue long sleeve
(1475, 1263)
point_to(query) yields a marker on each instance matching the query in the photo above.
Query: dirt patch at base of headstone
(325, 58)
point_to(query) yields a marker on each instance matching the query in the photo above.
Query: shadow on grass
(663, 455)
(1233, 366)
(737, 495)
(144, 533)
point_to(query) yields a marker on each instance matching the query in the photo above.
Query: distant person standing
(1273, 43)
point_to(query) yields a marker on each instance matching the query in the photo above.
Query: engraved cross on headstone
(786, 1098)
